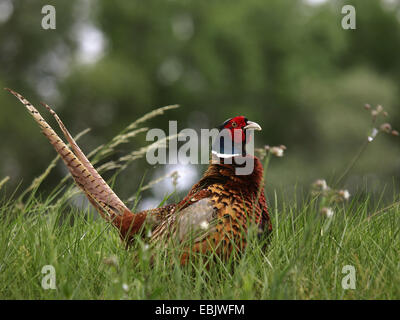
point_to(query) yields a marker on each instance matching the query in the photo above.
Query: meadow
(304, 259)
(314, 241)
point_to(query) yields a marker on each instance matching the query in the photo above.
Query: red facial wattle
(235, 126)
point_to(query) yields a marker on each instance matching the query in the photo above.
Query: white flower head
(321, 184)
(344, 194)
(204, 225)
(327, 212)
(386, 127)
(125, 287)
(373, 135)
(277, 151)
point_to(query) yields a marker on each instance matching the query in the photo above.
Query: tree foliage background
(286, 64)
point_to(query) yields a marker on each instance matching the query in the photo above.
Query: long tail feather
(85, 175)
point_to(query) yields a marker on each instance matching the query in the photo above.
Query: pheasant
(213, 218)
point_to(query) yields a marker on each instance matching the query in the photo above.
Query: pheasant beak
(252, 125)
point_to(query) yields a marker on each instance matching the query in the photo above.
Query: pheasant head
(234, 135)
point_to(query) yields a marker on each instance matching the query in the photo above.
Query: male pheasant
(214, 216)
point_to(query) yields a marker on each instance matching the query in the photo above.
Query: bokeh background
(286, 64)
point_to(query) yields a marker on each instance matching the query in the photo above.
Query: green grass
(304, 259)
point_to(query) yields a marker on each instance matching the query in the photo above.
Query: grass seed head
(111, 261)
(175, 177)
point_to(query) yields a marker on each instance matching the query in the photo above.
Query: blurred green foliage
(286, 64)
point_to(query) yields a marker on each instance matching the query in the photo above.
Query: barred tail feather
(99, 193)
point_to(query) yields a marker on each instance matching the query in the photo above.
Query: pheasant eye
(234, 124)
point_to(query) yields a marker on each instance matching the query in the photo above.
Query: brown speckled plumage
(213, 217)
